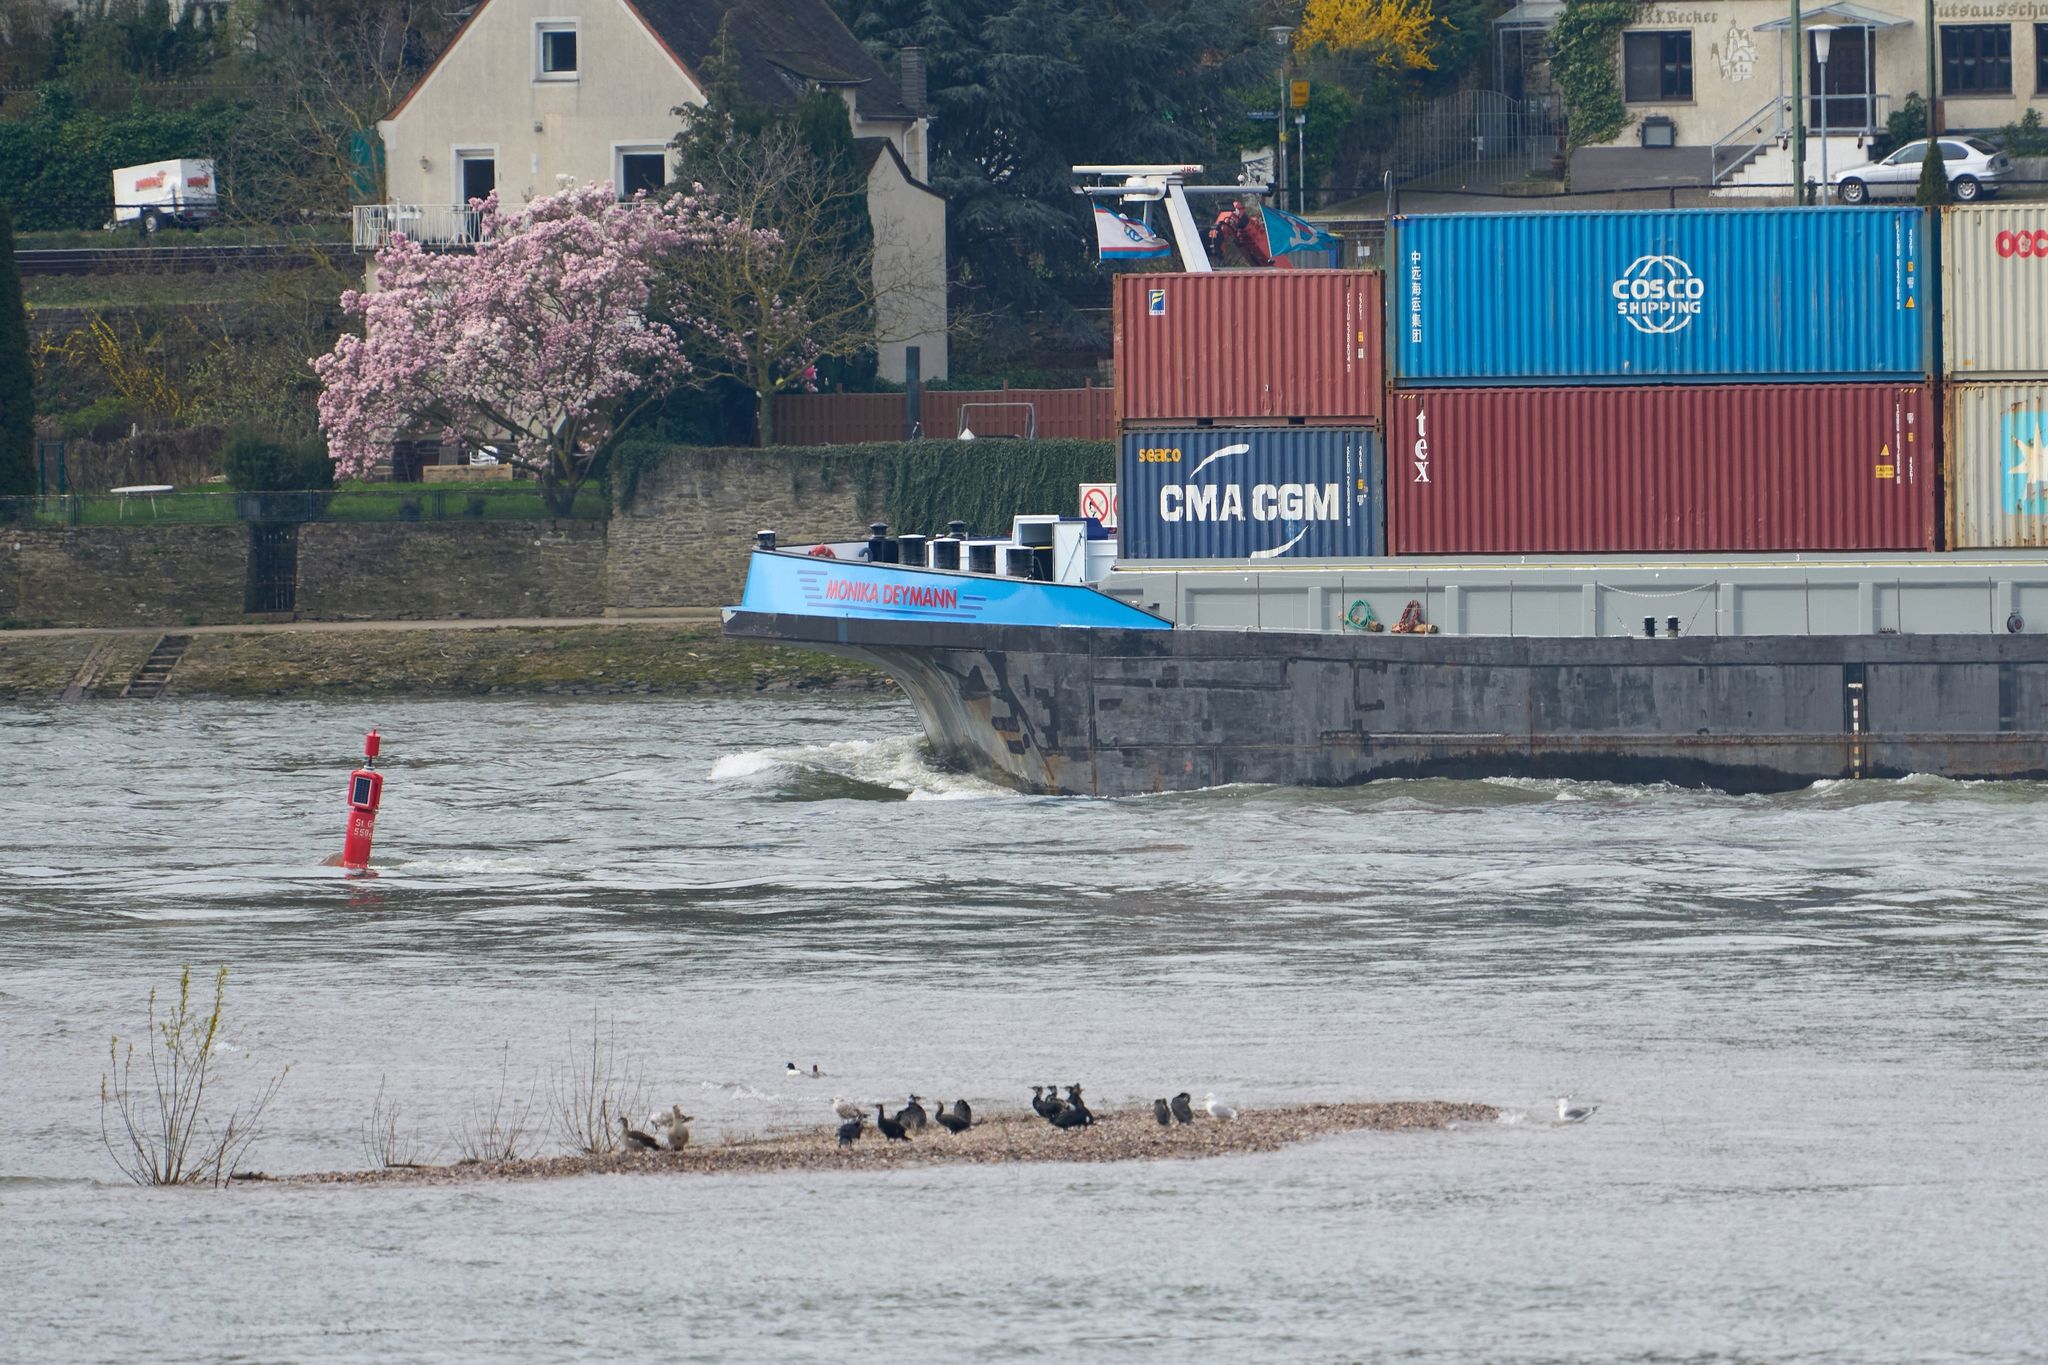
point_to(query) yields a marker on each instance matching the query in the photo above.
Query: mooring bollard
(365, 791)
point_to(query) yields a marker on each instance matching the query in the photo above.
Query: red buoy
(365, 791)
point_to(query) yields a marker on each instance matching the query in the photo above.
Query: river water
(1814, 1024)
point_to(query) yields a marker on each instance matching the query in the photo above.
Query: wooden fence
(827, 419)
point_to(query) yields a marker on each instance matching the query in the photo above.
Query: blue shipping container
(1688, 295)
(1252, 493)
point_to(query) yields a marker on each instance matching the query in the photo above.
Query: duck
(950, 1121)
(1568, 1113)
(1183, 1109)
(635, 1138)
(789, 1069)
(848, 1132)
(911, 1115)
(1162, 1111)
(846, 1108)
(678, 1125)
(891, 1129)
(1217, 1108)
(816, 1074)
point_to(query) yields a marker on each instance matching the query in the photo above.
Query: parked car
(1975, 169)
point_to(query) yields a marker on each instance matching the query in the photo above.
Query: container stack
(1250, 410)
(1677, 381)
(1994, 274)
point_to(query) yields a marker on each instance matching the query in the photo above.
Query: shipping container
(1994, 291)
(1251, 347)
(1252, 493)
(1674, 469)
(1687, 295)
(1996, 460)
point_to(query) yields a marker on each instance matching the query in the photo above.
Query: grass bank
(645, 659)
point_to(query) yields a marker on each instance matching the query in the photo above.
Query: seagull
(678, 1124)
(1217, 1109)
(962, 1112)
(636, 1138)
(845, 1108)
(891, 1129)
(1163, 1113)
(1567, 1114)
(911, 1115)
(951, 1122)
(849, 1131)
(1183, 1111)
(1043, 1104)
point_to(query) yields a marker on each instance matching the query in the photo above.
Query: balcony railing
(432, 224)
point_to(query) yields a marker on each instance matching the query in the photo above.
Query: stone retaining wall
(122, 576)
(355, 571)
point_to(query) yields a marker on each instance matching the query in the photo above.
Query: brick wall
(122, 576)
(356, 571)
(683, 540)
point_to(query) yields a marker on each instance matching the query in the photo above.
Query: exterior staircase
(1768, 174)
(155, 673)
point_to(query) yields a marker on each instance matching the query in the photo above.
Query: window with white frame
(555, 49)
(640, 168)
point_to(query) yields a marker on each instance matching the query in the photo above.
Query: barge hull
(1117, 712)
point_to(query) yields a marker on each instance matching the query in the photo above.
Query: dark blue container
(1252, 493)
(1685, 295)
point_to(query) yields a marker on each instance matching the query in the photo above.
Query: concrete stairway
(1768, 174)
(155, 673)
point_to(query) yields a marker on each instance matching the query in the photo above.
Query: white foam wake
(897, 763)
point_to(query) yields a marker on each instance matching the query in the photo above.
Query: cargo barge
(1697, 503)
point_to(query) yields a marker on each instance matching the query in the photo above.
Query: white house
(529, 91)
(1708, 83)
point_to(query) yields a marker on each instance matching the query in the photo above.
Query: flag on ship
(1286, 234)
(1124, 239)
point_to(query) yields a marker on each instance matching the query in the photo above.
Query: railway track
(96, 260)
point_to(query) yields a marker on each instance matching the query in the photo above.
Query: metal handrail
(1030, 416)
(432, 224)
(1752, 123)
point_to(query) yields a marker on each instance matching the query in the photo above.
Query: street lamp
(1823, 39)
(1283, 35)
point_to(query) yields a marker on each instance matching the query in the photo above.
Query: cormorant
(952, 1123)
(911, 1115)
(962, 1111)
(1183, 1110)
(891, 1129)
(1161, 1112)
(850, 1130)
(1043, 1104)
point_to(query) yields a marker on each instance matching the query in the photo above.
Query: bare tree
(803, 290)
(388, 1140)
(158, 1127)
(594, 1091)
(497, 1128)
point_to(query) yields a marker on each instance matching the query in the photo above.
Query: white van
(165, 192)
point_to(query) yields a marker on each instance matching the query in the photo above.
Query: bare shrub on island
(498, 1126)
(157, 1125)
(593, 1091)
(388, 1139)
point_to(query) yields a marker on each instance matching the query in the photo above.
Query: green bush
(103, 419)
(2027, 137)
(258, 464)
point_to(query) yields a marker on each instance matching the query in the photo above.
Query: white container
(164, 192)
(1994, 285)
(1997, 456)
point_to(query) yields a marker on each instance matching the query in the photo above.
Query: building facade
(531, 91)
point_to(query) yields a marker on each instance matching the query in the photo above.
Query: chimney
(910, 62)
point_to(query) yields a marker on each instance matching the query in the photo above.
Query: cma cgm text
(1269, 502)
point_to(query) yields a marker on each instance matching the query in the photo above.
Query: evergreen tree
(17, 380)
(1933, 177)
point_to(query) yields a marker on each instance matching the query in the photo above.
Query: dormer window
(555, 41)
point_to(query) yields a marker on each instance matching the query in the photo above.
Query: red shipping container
(1248, 346)
(1683, 469)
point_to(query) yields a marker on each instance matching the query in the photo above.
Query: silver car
(1975, 169)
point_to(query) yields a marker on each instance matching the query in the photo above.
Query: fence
(410, 502)
(824, 419)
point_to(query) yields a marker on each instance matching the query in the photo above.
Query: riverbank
(306, 660)
(1131, 1135)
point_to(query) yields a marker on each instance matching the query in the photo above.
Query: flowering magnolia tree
(541, 346)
